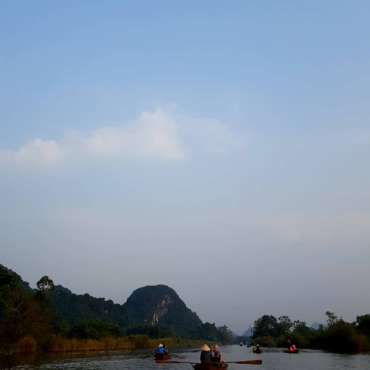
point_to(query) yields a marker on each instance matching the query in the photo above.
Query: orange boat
(159, 357)
(291, 351)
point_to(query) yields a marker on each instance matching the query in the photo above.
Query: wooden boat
(162, 357)
(289, 351)
(213, 366)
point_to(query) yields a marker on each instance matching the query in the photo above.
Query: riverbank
(26, 352)
(58, 344)
(130, 343)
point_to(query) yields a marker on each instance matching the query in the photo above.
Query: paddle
(245, 362)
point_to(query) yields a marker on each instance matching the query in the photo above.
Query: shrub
(26, 344)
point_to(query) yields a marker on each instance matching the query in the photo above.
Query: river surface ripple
(273, 359)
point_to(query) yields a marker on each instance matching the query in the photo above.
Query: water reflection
(273, 359)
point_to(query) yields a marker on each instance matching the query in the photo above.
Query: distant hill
(146, 308)
(160, 305)
(155, 310)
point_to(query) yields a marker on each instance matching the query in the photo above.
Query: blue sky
(154, 142)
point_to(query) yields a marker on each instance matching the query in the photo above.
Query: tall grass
(60, 344)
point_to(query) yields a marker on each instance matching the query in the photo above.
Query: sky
(221, 148)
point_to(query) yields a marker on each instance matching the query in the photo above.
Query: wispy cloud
(153, 135)
(36, 152)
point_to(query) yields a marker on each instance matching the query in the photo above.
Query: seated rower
(216, 354)
(160, 350)
(205, 355)
(256, 348)
(165, 349)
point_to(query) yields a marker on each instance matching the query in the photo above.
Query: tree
(332, 318)
(341, 337)
(363, 324)
(45, 284)
(265, 326)
(284, 325)
(225, 335)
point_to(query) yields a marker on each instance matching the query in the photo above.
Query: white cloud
(35, 152)
(154, 135)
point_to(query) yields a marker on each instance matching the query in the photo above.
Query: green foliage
(363, 324)
(23, 319)
(269, 326)
(94, 330)
(160, 305)
(29, 318)
(72, 309)
(341, 337)
(212, 333)
(331, 318)
(302, 335)
(265, 326)
(45, 284)
(338, 336)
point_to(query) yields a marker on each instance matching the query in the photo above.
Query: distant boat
(256, 350)
(241, 344)
(162, 357)
(290, 351)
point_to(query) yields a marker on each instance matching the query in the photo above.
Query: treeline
(336, 336)
(25, 316)
(39, 320)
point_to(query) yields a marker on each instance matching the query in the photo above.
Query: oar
(245, 362)
(177, 362)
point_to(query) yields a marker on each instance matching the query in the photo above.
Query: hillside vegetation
(52, 318)
(336, 336)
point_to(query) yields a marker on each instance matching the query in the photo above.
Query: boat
(256, 350)
(162, 357)
(213, 366)
(290, 351)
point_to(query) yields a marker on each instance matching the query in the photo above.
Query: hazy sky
(219, 147)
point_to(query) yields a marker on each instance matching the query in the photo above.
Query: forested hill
(74, 309)
(160, 305)
(156, 311)
(9, 278)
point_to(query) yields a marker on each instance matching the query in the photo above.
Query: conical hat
(205, 348)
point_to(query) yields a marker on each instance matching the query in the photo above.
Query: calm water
(272, 360)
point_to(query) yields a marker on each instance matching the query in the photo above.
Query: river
(272, 360)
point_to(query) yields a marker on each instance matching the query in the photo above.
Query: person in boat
(160, 350)
(256, 348)
(216, 354)
(205, 355)
(165, 349)
(292, 348)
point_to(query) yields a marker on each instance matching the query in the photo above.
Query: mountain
(148, 307)
(156, 311)
(160, 305)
